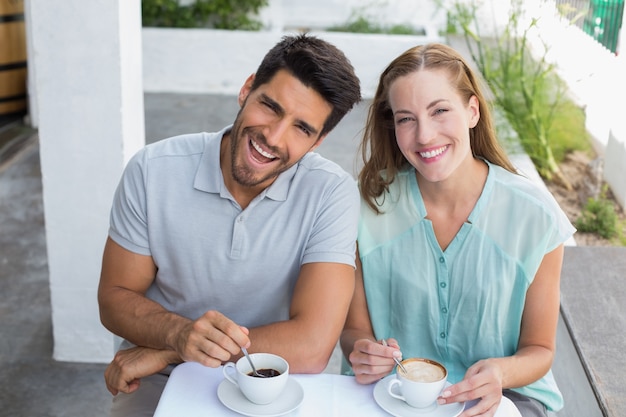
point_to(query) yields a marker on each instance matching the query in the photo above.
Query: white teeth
(432, 154)
(261, 151)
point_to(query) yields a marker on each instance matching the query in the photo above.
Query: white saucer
(399, 408)
(230, 395)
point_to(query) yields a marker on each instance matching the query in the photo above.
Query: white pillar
(88, 82)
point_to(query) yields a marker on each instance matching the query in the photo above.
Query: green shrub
(217, 14)
(362, 20)
(361, 24)
(599, 217)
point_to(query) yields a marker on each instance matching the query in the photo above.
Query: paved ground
(31, 383)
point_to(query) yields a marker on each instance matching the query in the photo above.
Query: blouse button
(441, 260)
(442, 335)
(444, 310)
(442, 284)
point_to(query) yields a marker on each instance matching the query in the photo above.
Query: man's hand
(211, 340)
(125, 371)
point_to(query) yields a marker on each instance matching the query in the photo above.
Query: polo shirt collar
(209, 176)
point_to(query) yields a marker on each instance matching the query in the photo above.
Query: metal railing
(600, 19)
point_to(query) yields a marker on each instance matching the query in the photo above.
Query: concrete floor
(31, 383)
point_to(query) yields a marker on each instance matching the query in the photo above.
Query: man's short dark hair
(318, 65)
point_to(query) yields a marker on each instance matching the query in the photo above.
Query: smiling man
(239, 238)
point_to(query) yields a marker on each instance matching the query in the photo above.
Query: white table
(192, 391)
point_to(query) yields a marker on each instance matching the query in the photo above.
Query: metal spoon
(254, 371)
(384, 342)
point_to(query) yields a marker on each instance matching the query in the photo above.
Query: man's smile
(260, 155)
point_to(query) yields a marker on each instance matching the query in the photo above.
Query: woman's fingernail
(441, 401)
(446, 394)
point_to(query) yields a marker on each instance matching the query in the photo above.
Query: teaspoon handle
(245, 352)
(384, 342)
(400, 365)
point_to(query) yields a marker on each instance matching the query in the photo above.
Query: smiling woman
(444, 212)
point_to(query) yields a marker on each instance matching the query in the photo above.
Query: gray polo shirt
(173, 205)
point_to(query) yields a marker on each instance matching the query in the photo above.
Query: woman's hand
(482, 381)
(372, 361)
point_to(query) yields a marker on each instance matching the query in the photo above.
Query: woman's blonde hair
(379, 148)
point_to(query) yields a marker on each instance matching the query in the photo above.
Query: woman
(459, 255)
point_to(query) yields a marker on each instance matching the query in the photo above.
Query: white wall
(215, 61)
(204, 61)
(89, 102)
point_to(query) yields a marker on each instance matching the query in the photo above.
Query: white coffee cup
(421, 385)
(258, 390)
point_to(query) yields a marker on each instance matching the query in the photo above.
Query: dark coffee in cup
(266, 372)
(258, 390)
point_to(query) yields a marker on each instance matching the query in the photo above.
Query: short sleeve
(128, 218)
(333, 238)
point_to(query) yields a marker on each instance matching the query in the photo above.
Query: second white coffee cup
(258, 390)
(421, 385)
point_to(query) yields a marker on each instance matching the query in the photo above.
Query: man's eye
(269, 105)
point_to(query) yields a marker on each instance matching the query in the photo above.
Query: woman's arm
(533, 358)
(370, 360)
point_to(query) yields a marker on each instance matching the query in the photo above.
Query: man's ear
(245, 90)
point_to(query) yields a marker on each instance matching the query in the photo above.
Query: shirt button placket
(443, 300)
(238, 237)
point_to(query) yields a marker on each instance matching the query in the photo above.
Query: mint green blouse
(465, 303)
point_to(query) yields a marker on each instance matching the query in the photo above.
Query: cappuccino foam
(421, 371)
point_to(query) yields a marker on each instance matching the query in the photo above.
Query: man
(240, 238)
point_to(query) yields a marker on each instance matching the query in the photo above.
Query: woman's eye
(440, 111)
(403, 120)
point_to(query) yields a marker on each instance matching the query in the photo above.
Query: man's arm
(318, 310)
(125, 311)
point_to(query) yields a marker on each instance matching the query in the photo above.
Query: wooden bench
(593, 307)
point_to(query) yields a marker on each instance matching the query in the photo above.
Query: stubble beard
(242, 173)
